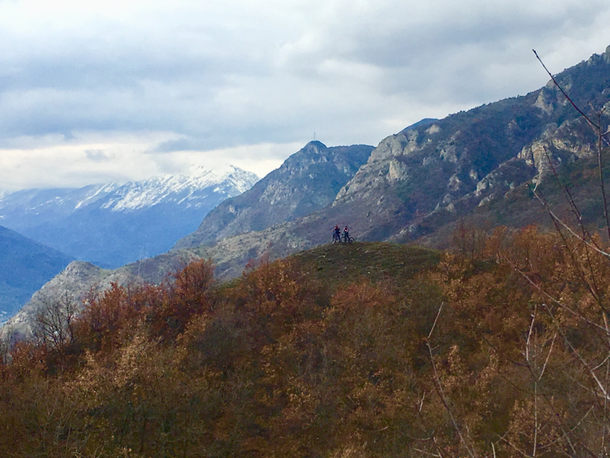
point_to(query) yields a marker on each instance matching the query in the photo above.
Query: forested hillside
(498, 348)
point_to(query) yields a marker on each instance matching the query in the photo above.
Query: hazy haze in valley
(96, 91)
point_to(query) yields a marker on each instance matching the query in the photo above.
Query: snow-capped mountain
(180, 189)
(112, 224)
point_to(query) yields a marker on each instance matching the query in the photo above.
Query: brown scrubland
(500, 347)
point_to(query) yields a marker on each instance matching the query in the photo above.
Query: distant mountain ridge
(181, 189)
(112, 225)
(25, 266)
(307, 181)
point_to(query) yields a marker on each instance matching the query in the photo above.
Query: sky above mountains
(97, 91)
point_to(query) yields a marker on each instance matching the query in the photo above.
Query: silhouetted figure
(336, 234)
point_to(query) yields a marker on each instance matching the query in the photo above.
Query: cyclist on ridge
(346, 237)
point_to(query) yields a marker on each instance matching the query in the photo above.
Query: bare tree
(54, 323)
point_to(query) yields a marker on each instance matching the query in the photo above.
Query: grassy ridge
(335, 264)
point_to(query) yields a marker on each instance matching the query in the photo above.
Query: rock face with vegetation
(452, 166)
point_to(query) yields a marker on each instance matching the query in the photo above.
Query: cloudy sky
(119, 90)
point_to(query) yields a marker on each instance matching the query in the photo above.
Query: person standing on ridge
(336, 234)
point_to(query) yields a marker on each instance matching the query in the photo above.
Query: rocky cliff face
(454, 165)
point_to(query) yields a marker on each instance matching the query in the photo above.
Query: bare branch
(548, 356)
(591, 123)
(590, 371)
(435, 320)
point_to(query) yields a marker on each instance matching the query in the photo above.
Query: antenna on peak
(314, 136)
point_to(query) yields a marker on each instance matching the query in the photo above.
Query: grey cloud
(451, 54)
(181, 144)
(97, 155)
(219, 79)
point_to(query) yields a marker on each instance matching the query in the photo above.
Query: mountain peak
(306, 182)
(315, 144)
(218, 170)
(421, 123)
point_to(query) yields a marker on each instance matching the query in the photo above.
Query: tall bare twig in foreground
(440, 390)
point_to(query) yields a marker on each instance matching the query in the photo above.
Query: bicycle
(336, 237)
(347, 238)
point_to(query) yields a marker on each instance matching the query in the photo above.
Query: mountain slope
(24, 268)
(419, 182)
(473, 154)
(307, 181)
(112, 225)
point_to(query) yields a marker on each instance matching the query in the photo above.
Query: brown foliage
(277, 364)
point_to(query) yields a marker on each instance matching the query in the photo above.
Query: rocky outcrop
(572, 141)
